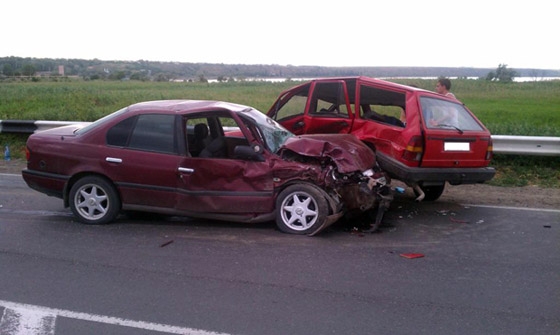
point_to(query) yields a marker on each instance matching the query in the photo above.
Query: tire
(301, 209)
(433, 192)
(94, 200)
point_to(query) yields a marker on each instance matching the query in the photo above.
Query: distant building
(61, 70)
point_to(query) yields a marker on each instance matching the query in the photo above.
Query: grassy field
(531, 108)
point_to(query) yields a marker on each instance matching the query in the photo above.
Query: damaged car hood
(348, 153)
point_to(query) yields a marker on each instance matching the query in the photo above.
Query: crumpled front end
(347, 152)
(367, 192)
(346, 170)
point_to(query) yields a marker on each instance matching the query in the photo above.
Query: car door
(142, 157)
(453, 136)
(315, 108)
(224, 184)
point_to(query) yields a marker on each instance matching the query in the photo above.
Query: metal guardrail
(29, 126)
(526, 145)
(503, 144)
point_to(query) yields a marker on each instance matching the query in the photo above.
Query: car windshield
(273, 134)
(104, 119)
(443, 114)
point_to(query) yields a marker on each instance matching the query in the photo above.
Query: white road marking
(24, 319)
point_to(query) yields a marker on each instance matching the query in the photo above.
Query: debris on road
(166, 243)
(458, 221)
(411, 255)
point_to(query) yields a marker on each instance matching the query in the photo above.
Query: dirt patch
(483, 194)
(13, 166)
(479, 194)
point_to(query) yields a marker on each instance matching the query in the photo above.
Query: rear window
(443, 114)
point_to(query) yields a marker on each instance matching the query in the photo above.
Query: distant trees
(502, 74)
(94, 69)
(28, 70)
(8, 70)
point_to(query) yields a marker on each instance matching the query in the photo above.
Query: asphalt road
(484, 270)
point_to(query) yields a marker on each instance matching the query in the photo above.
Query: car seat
(200, 139)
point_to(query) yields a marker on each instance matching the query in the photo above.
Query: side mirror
(248, 153)
(298, 125)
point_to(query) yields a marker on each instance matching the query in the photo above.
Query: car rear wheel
(432, 192)
(94, 200)
(301, 209)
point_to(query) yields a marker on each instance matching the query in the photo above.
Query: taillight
(489, 150)
(27, 154)
(414, 149)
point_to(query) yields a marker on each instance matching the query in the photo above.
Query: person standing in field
(447, 117)
(443, 86)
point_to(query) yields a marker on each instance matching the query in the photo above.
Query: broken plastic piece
(412, 255)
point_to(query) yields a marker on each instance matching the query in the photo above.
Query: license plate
(456, 146)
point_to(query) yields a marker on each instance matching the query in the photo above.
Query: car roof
(182, 106)
(366, 80)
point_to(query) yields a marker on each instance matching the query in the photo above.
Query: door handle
(185, 170)
(113, 160)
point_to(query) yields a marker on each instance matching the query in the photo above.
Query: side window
(198, 135)
(329, 101)
(294, 106)
(154, 132)
(382, 106)
(213, 136)
(118, 135)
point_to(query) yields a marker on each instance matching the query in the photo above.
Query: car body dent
(348, 152)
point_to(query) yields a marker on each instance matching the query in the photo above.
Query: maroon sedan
(206, 159)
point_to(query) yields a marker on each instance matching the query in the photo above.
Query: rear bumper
(455, 176)
(47, 183)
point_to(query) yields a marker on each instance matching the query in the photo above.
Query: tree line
(95, 69)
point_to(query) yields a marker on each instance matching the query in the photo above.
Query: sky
(347, 33)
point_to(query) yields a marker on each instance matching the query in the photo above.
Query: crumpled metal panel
(348, 153)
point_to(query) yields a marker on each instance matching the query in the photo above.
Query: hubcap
(91, 202)
(299, 211)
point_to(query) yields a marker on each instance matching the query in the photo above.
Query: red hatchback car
(206, 159)
(420, 137)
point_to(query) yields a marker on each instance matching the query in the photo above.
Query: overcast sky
(456, 33)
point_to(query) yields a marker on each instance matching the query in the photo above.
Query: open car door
(315, 108)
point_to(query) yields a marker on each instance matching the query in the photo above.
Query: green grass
(531, 108)
(90, 100)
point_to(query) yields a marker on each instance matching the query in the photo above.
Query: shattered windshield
(271, 132)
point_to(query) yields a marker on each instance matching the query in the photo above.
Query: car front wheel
(301, 209)
(94, 200)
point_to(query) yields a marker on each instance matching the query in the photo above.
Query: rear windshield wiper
(442, 125)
